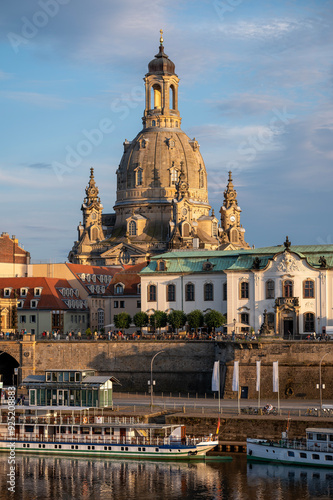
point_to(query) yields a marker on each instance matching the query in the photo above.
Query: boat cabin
(77, 388)
(319, 438)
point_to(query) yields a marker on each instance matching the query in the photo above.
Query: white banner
(258, 363)
(235, 379)
(216, 376)
(275, 376)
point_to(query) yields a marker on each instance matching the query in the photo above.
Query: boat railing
(70, 420)
(300, 444)
(101, 439)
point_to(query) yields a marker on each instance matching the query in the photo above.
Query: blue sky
(255, 90)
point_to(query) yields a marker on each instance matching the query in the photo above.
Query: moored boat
(315, 450)
(108, 436)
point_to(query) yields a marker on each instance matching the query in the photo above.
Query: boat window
(72, 447)
(331, 437)
(291, 454)
(85, 430)
(143, 449)
(60, 377)
(109, 448)
(66, 377)
(76, 447)
(310, 435)
(71, 376)
(157, 449)
(329, 457)
(303, 455)
(62, 430)
(122, 448)
(77, 376)
(48, 377)
(54, 376)
(315, 456)
(97, 430)
(29, 428)
(321, 437)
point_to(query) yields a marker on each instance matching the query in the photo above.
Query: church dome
(151, 165)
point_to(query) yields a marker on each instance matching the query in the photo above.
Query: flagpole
(219, 391)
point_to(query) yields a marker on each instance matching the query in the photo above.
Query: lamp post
(234, 332)
(320, 384)
(151, 378)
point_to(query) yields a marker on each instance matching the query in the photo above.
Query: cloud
(35, 98)
(40, 166)
(251, 104)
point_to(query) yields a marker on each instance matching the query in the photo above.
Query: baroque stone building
(162, 196)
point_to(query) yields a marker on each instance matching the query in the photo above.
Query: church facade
(162, 197)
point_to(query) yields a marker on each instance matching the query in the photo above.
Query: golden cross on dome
(161, 38)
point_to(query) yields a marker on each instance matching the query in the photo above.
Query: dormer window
(7, 292)
(132, 228)
(33, 304)
(119, 288)
(20, 304)
(161, 265)
(38, 292)
(24, 292)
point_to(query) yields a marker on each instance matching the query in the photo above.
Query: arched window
(132, 228)
(171, 293)
(288, 288)
(119, 289)
(153, 123)
(189, 292)
(245, 320)
(214, 229)
(270, 319)
(173, 176)
(172, 101)
(244, 290)
(225, 291)
(151, 293)
(208, 291)
(186, 230)
(139, 177)
(309, 322)
(94, 233)
(156, 96)
(201, 179)
(308, 289)
(234, 236)
(270, 289)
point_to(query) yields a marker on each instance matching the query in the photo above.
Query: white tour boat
(316, 450)
(101, 436)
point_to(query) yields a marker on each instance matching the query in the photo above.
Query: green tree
(177, 319)
(122, 320)
(158, 320)
(88, 332)
(213, 319)
(195, 319)
(140, 319)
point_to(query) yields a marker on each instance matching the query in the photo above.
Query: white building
(294, 285)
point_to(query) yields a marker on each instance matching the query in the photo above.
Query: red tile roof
(50, 298)
(129, 278)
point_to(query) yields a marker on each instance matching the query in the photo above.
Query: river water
(53, 478)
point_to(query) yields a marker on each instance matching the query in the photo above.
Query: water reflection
(49, 478)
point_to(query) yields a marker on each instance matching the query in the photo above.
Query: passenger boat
(109, 436)
(315, 450)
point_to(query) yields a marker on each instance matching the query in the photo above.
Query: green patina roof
(240, 260)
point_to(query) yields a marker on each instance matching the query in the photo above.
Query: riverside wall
(186, 366)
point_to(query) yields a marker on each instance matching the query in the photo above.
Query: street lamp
(234, 332)
(151, 378)
(320, 384)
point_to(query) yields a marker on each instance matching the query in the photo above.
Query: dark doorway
(7, 365)
(288, 328)
(244, 392)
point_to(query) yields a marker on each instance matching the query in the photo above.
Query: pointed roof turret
(230, 194)
(161, 64)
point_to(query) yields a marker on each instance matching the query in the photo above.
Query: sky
(256, 81)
